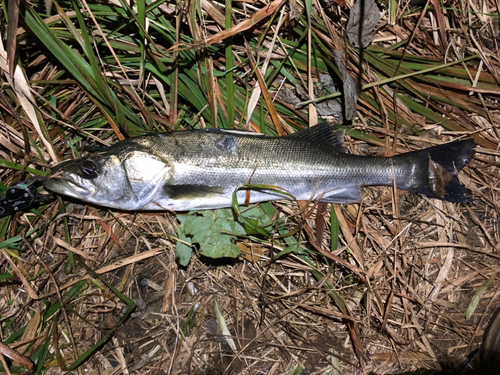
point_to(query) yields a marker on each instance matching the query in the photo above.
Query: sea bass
(201, 169)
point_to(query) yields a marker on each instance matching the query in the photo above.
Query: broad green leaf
(206, 230)
(182, 251)
(215, 231)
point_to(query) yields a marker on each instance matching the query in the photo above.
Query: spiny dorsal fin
(322, 134)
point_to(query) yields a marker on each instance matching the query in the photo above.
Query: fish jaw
(67, 187)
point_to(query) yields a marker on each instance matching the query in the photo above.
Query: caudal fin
(438, 167)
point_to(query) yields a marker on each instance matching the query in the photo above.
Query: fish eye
(87, 169)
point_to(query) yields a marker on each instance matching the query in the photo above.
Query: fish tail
(437, 168)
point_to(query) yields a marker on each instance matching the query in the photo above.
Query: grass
(394, 284)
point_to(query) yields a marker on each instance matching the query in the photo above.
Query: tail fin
(438, 167)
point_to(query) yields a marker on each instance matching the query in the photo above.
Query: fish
(203, 169)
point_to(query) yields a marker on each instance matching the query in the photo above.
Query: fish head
(99, 179)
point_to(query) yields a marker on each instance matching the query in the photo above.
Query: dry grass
(409, 266)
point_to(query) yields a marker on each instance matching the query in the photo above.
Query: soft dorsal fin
(322, 134)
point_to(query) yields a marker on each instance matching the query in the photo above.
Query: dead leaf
(13, 10)
(439, 179)
(362, 21)
(251, 253)
(351, 89)
(30, 332)
(440, 21)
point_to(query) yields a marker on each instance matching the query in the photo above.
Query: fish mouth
(66, 186)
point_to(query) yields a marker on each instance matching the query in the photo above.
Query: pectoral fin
(186, 192)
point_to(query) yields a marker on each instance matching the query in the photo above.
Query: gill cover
(146, 175)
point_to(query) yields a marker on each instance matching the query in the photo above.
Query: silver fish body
(201, 169)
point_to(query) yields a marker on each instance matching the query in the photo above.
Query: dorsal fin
(322, 134)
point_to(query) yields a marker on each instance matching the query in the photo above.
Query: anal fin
(348, 194)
